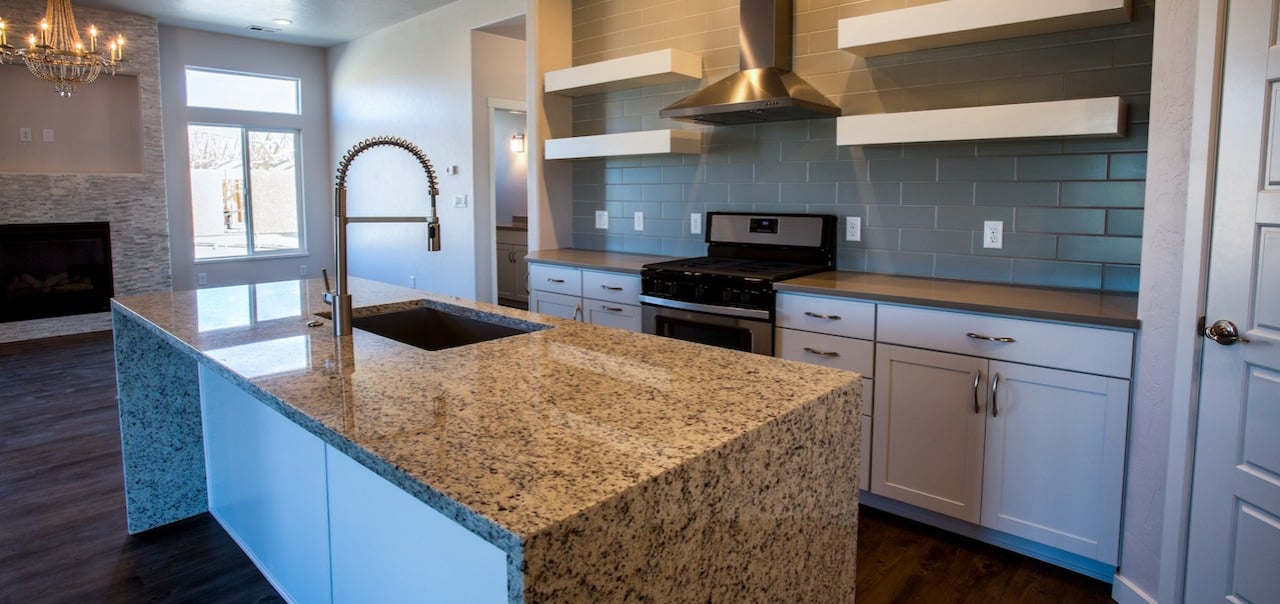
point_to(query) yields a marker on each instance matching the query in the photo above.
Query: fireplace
(54, 270)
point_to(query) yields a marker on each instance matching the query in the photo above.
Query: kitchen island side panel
(161, 436)
(771, 516)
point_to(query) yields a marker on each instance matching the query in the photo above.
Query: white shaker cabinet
(1032, 451)
(597, 297)
(832, 332)
(512, 269)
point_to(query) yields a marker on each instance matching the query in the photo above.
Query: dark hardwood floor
(63, 536)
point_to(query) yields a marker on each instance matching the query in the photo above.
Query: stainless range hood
(764, 89)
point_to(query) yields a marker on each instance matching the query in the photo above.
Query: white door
(1234, 539)
(1055, 458)
(929, 429)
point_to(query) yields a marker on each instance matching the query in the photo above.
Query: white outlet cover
(639, 220)
(460, 201)
(993, 234)
(602, 219)
(24, 135)
(695, 224)
(47, 134)
(853, 228)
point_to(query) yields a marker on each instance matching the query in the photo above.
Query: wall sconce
(517, 143)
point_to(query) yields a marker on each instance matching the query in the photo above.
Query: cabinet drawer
(612, 314)
(835, 316)
(556, 279)
(825, 350)
(1073, 347)
(556, 305)
(614, 287)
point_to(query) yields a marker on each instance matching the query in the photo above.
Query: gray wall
(511, 177)
(1072, 208)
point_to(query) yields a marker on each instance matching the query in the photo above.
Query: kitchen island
(571, 463)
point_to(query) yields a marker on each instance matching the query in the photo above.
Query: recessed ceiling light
(282, 22)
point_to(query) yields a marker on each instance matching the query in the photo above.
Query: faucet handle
(328, 295)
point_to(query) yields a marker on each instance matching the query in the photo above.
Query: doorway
(509, 190)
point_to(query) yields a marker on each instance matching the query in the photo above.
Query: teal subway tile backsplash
(1072, 207)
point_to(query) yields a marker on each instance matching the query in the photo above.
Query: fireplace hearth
(54, 270)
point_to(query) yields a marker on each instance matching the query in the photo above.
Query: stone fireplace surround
(134, 204)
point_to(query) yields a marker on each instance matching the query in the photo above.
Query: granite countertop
(525, 431)
(1095, 308)
(589, 259)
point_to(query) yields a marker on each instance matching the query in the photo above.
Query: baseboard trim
(1125, 592)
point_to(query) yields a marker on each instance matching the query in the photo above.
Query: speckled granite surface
(609, 465)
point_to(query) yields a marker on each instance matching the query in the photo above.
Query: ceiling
(315, 22)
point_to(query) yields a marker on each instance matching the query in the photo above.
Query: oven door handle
(732, 311)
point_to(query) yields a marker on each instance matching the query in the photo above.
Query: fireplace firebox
(54, 270)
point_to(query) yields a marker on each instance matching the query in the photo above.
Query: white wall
(511, 174)
(498, 77)
(182, 47)
(413, 80)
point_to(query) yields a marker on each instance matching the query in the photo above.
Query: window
(242, 91)
(245, 177)
(244, 191)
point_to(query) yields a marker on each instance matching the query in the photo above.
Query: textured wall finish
(134, 204)
(1072, 208)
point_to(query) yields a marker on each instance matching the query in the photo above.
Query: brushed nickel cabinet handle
(823, 353)
(611, 288)
(577, 312)
(995, 385)
(555, 280)
(978, 336)
(821, 316)
(610, 308)
(977, 377)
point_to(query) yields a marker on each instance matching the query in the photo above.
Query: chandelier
(57, 54)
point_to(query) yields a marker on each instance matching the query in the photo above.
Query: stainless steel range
(726, 298)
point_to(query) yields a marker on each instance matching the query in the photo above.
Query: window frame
(246, 168)
(297, 90)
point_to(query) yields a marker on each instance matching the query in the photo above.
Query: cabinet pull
(821, 316)
(977, 377)
(555, 280)
(611, 288)
(978, 336)
(995, 384)
(824, 353)
(610, 308)
(577, 312)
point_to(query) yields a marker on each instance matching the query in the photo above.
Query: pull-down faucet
(340, 298)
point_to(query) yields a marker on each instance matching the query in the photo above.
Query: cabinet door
(1055, 458)
(506, 273)
(520, 272)
(928, 430)
(556, 305)
(612, 314)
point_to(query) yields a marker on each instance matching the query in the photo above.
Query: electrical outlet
(639, 220)
(24, 135)
(202, 278)
(302, 270)
(695, 224)
(993, 234)
(853, 228)
(602, 219)
(460, 201)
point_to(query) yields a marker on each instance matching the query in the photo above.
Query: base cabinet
(323, 528)
(1033, 452)
(596, 297)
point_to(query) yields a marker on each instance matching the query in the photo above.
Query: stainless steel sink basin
(435, 329)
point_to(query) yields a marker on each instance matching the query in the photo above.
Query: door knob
(1224, 332)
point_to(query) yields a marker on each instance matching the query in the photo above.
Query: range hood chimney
(764, 89)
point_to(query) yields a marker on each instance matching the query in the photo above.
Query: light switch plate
(460, 201)
(24, 135)
(695, 224)
(853, 228)
(993, 234)
(47, 134)
(639, 220)
(602, 219)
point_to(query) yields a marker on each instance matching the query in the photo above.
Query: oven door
(700, 323)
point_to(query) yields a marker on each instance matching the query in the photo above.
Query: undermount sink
(436, 329)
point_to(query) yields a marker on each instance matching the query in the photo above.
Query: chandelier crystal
(57, 54)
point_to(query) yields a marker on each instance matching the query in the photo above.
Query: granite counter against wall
(607, 465)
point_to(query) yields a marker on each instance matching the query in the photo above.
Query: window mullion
(248, 192)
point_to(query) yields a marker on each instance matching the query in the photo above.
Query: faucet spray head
(433, 234)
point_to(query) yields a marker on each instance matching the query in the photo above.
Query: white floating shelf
(965, 21)
(1080, 117)
(645, 142)
(657, 67)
